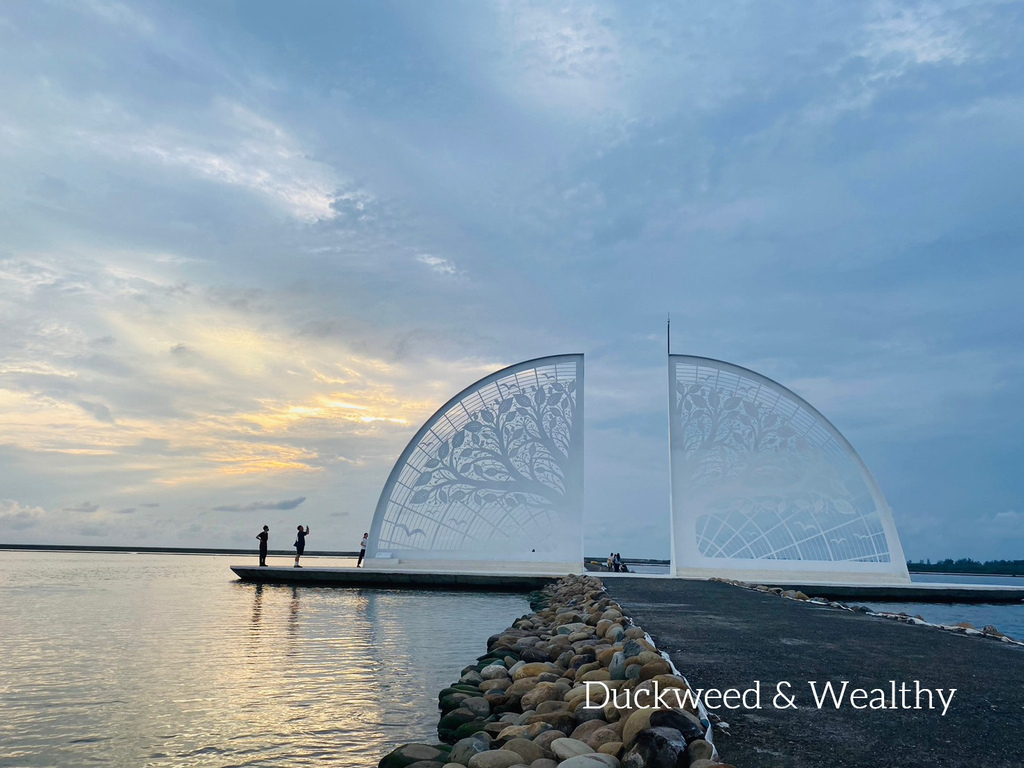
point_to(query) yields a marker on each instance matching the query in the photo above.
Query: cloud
(86, 507)
(257, 505)
(238, 252)
(438, 264)
(99, 411)
(15, 517)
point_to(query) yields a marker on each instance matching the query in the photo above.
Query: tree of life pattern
(498, 463)
(773, 479)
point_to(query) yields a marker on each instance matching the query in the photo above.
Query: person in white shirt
(362, 549)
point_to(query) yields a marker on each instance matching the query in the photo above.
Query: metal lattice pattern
(764, 475)
(499, 464)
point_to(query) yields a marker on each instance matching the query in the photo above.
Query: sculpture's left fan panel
(494, 479)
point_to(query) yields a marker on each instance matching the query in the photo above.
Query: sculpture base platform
(393, 579)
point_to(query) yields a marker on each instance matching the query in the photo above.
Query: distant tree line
(967, 565)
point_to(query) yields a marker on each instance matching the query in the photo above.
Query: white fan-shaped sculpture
(494, 479)
(763, 486)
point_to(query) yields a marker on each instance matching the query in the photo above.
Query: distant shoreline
(311, 553)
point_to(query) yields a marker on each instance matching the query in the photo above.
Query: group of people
(615, 563)
(300, 545)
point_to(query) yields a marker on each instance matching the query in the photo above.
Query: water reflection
(165, 660)
(293, 616)
(257, 607)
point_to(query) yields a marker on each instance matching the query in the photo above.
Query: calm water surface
(1008, 619)
(161, 660)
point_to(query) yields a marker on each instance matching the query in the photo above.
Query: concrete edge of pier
(392, 579)
(450, 578)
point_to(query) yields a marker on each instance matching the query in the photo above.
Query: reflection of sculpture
(762, 481)
(496, 473)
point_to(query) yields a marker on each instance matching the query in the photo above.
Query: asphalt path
(721, 636)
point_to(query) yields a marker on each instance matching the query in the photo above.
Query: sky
(247, 248)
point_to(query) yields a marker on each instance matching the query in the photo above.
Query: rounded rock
(656, 746)
(566, 748)
(698, 749)
(541, 692)
(533, 669)
(617, 666)
(526, 749)
(464, 749)
(551, 706)
(680, 720)
(478, 705)
(613, 748)
(467, 730)
(584, 730)
(652, 669)
(602, 736)
(407, 754)
(494, 672)
(495, 685)
(592, 760)
(495, 758)
(544, 740)
(522, 686)
(531, 731)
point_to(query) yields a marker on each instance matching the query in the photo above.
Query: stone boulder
(407, 754)
(657, 748)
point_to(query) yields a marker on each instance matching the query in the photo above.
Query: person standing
(263, 536)
(362, 549)
(300, 544)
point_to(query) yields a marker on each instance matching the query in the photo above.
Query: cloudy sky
(247, 248)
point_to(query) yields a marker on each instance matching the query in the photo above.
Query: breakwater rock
(573, 685)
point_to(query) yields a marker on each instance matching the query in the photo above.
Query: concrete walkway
(723, 637)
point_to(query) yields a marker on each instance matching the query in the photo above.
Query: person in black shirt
(300, 544)
(263, 536)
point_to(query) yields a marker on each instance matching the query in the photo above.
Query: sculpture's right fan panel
(762, 482)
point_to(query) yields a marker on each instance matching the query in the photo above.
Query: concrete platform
(392, 579)
(920, 592)
(723, 636)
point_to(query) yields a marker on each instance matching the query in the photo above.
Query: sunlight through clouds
(247, 249)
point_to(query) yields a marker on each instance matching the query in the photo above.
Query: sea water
(169, 660)
(1007, 618)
